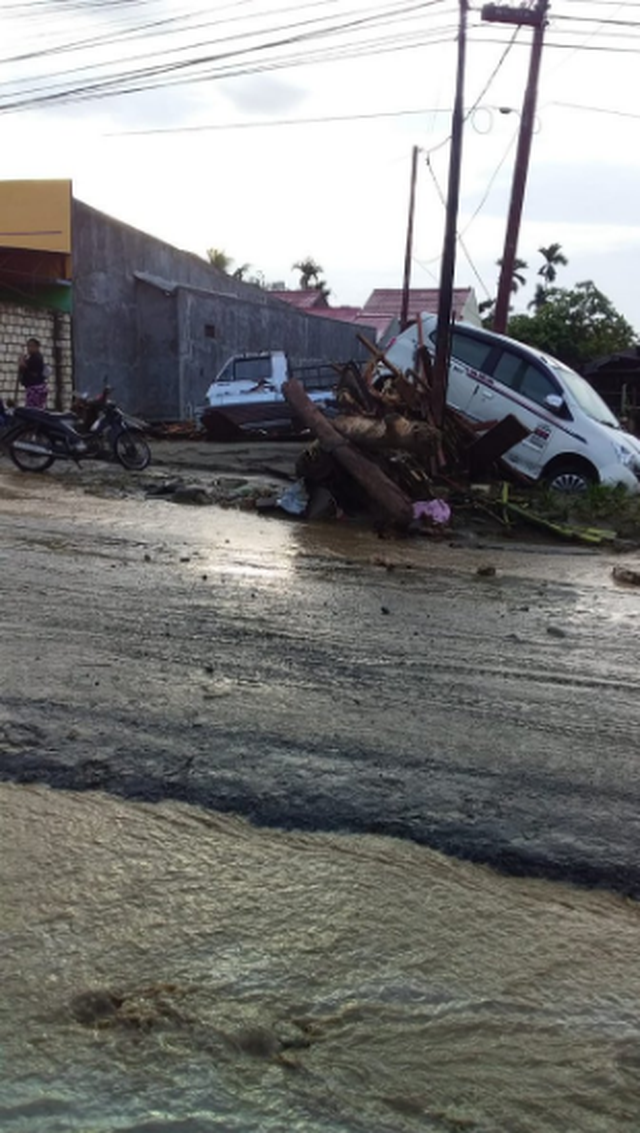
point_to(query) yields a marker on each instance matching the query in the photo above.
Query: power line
(595, 109)
(138, 30)
(607, 3)
(604, 22)
(277, 122)
(163, 71)
(153, 78)
(384, 16)
(575, 47)
(474, 105)
(490, 184)
(459, 238)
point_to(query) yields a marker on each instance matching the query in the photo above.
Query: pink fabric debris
(438, 511)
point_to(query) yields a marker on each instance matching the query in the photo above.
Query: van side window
(521, 375)
(472, 351)
(510, 369)
(536, 385)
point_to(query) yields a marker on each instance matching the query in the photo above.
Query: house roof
(343, 314)
(381, 308)
(385, 304)
(621, 360)
(309, 299)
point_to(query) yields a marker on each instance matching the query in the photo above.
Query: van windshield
(583, 394)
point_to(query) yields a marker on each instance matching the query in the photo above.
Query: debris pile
(390, 449)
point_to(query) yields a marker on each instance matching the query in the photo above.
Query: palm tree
(219, 259)
(517, 278)
(309, 270)
(540, 298)
(553, 258)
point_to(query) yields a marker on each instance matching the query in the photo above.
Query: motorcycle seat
(43, 415)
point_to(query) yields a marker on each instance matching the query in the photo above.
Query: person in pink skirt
(33, 376)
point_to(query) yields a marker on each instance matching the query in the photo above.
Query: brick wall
(17, 324)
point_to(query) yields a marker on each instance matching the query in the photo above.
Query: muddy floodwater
(259, 980)
(301, 829)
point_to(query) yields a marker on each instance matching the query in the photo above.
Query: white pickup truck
(246, 395)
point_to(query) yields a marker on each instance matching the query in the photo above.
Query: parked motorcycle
(97, 430)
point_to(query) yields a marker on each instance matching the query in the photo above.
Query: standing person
(32, 374)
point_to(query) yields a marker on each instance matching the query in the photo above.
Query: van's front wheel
(570, 478)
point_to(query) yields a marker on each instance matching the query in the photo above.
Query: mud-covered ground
(313, 676)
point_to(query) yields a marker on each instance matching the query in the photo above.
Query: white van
(575, 440)
(246, 394)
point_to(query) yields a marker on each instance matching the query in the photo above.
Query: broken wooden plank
(494, 443)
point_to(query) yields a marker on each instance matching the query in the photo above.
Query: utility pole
(404, 310)
(447, 268)
(535, 18)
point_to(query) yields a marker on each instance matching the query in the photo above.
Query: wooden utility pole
(535, 18)
(404, 310)
(447, 268)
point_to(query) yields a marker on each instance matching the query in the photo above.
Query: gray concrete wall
(157, 323)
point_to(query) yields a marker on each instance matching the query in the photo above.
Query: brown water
(271, 981)
(255, 980)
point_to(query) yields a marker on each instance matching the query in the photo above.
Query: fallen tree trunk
(394, 505)
(391, 432)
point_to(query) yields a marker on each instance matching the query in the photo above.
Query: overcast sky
(177, 119)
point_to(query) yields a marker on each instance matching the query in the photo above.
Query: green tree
(576, 325)
(219, 259)
(310, 273)
(518, 280)
(553, 258)
(539, 298)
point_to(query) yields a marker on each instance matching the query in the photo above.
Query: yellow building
(35, 280)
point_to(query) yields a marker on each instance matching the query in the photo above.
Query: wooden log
(367, 432)
(392, 432)
(394, 505)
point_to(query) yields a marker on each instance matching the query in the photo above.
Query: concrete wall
(53, 329)
(157, 323)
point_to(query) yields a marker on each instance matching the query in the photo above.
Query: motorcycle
(95, 429)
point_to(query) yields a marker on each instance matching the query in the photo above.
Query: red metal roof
(343, 314)
(307, 300)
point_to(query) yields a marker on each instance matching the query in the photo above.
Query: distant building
(617, 379)
(383, 307)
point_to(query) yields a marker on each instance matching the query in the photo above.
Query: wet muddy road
(314, 677)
